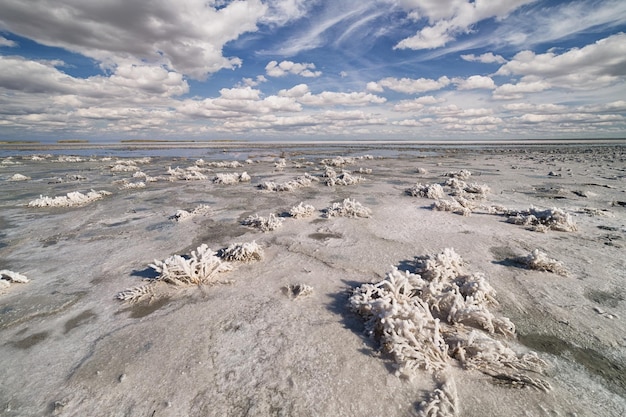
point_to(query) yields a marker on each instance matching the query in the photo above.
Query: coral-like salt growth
(425, 320)
(543, 220)
(264, 224)
(457, 205)
(302, 181)
(231, 178)
(73, 199)
(301, 210)
(462, 174)
(434, 191)
(18, 177)
(124, 184)
(295, 291)
(200, 268)
(347, 208)
(540, 261)
(243, 252)
(344, 178)
(186, 174)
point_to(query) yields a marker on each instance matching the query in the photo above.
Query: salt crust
(434, 191)
(193, 173)
(343, 178)
(200, 268)
(72, 199)
(219, 164)
(18, 177)
(540, 261)
(264, 224)
(347, 208)
(231, 178)
(8, 277)
(462, 174)
(301, 210)
(427, 319)
(341, 160)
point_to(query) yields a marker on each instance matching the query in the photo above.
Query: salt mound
(347, 208)
(8, 277)
(428, 319)
(540, 261)
(434, 191)
(231, 178)
(72, 199)
(193, 173)
(302, 181)
(201, 267)
(301, 210)
(243, 252)
(543, 220)
(182, 215)
(18, 177)
(265, 224)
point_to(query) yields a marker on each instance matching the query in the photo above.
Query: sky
(312, 69)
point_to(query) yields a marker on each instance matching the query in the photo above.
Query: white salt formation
(543, 220)
(18, 177)
(73, 199)
(200, 268)
(296, 291)
(301, 211)
(462, 174)
(347, 208)
(457, 205)
(8, 277)
(540, 261)
(434, 191)
(424, 320)
(264, 224)
(243, 252)
(193, 173)
(182, 215)
(231, 178)
(302, 181)
(344, 178)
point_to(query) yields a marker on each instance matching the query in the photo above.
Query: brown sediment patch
(325, 235)
(79, 320)
(605, 298)
(29, 307)
(31, 340)
(145, 308)
(612, 372)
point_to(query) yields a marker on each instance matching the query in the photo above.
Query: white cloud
(296, 91)
(448, 18)
(517, 91)
(7, 42)
(331, 98)
(409, 85)
(174, 34)
(275, 69)
(416, 104)
(474, 82)
(595, 65)
(486, 58)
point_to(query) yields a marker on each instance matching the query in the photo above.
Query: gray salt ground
(70, 348)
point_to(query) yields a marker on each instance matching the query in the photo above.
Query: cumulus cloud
(275, 69)
(187, 36)
(409, 85)
(331, 98)
(448, 18)
(474, 82)
(416, 104)
(7, 42)
(486, 58)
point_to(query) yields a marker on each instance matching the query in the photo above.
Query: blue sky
(312, 70)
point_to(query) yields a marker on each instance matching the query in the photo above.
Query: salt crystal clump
(186, 174)
(124, 166)
(8, 277)
(18, 177)
(344, 178)
(201, 267)
(462, 174)
(182, 215)
(69, 158)
(434, 191)
(301, 210)
(144, 176)
(72, 199)
(243, 252)
(302, 181)
(219, 164)
(264, 224)
(347, 208)
(421, 171)
(231, 178)
(124, 184)
(540, 261)
(426, 319)
(457, 205)
(543, 220)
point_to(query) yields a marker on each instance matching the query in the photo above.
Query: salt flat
(243, 343)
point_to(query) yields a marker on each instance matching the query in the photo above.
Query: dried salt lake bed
(487, 329)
